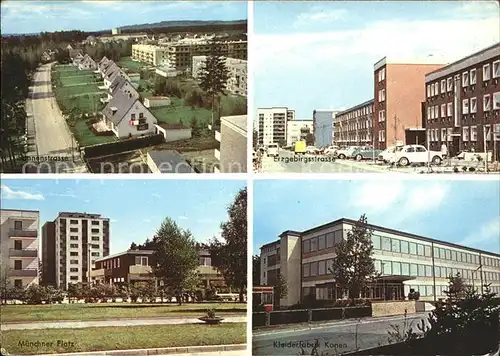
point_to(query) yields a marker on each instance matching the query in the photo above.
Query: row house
(87, 63)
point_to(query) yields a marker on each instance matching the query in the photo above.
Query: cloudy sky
(319, 55)
(136, 207)
(462, 212)
(37, 16)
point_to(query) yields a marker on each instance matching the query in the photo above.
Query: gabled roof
(117, 83)
(103, 60)
(111, 69)
(120, 101)
(116, 74)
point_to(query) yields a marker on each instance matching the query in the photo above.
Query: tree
(176, 257)
(195, 129)
(229, 255)
(353, 265)
(309, 139)
(456, 287)
(133, 246)
(6, 287)
(213, 77)
(256, 270)
(280, 289)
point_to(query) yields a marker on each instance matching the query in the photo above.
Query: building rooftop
(168, 161)
(168, 126)
(411, 60)
(239, 121)
(128, 252)
(66, 214)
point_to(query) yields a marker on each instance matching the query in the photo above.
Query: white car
(346, 153)
(272, 150)
(311, 150)
(411, 154)
(331, 150)
(386, 155)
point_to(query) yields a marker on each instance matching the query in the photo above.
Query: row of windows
(469, 106)
(318, 268)
(114, 263)
(356, 113)
(468, 78)
(322, 242)
(75, 229)
(468, 133)
(73, 222)
(427, 291)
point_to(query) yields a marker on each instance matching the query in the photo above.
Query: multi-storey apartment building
(405, 261)
(399, 90)
(323, 127)
(76, 241)
(354, 126)
(19, 241)
(272, 125)
(297, 130)
(463, 103)
(237, 80)
(154, 55)
(232, 153)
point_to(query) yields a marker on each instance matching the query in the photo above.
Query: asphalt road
(335, 338)
(54, 144)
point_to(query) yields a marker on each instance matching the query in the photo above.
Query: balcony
(23, 234)
(27, 252)
(217, 154)
(139, 269)
(27, 272)
(97, 272)
(217, 135)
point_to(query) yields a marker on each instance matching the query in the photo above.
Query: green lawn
(128, 63)
(177, 112)
(85, 136)
(121, 338)
(79, 79)
(103, 311)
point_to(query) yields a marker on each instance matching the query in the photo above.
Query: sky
(37, 16)
(458, 211)
(319, 55)
(136, 208)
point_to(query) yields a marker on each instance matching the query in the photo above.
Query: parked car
(386, 155)
(331, 150)
(411, 154)
(311, 150)
(347, 152)
(365, 153)
(272, 150)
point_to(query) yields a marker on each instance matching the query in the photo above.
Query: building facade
(298, 130)
(79, 240)
(151, 54)
(353, 127)
(405, 261)
(399, 90)
(272, 125)
(323, 127)
(232, 155)
(19, 232)
(462, 103)
(237, 68)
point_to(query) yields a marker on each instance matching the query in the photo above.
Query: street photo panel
(156, 87)
(379, 267)
(123, 267)
(381, 86)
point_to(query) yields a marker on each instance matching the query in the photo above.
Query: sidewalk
(116, 322)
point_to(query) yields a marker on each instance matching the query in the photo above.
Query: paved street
(54, 144)
(343, 336)
(115, 322)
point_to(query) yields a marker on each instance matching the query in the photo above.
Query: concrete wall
(393, 308)
(290, 249)
(233, 151)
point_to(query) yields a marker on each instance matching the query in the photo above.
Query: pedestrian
(444, 150)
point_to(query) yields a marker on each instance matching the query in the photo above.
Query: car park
(415, 154)
(347, 152)
(365, 153)
(386, 155)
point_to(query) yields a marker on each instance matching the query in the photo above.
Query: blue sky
(136, 208)
(463, 212)
(36, 16)
(319, 55)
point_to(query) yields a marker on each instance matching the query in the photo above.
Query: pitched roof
(117, 83)
(120, 101)
(111, 69)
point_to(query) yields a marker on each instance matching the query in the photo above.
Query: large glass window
(405, 269)
(329, 240)
(454, 255)
(413, 248)
(376, 242)
(448, 254)
(442, 254)
(413, 270)
(427, 251)
(338, 236)
(421, 290)
(329, 266)
(321, 242)
(396, 247)
(428, 271)
(420, 249)
(459, 257)
(306, 246)
(437, 270)
(469, 258)
(396, 268)
(476, 259)
(428, 291)
(305, 270)
(387, 267)
(314, 244)
(404, 247)
(448, 272)
(436, 252)
(378, 266)
(314, 269)
(386, 243)
(321, 268)
(421, 270)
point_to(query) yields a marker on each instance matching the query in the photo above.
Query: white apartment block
(297, 130)
(151, 54)
(237, 81)
(405, 261)
(80, 239)
(272, 125)
(19, 232)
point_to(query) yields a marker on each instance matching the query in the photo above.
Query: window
(305, 270)
(432, 89)
(413, 248)
(427, 251)
(396, 268)
(428, 271)
(73, 269)
(73, 221)
(74, 278)
(376, 242)
(387, 267)
(450, 132)
(465, 79)
(73, 245)
(413, 270)
(338, 236)
(436, 252)
(443, 134)
(443, 272)
(132, 116)
(18, 283)
(449, 107)
(465, 133)
(429, 113)
(473, 76)
(386, 243)
(314, 269)
(378, 266)
(306, 246)
(381, 136)
(321, 268)
(473, 133)
(381, 74)
(428, 91)
(329, 266)
(141, 115)
(73, 262)
(421, 270)
(73, 238)
(95, 231)
(465, 106)
(432, 112)
(443, 86)
(396, 247)
(436, 111)
(314, 244)
(404, 247)
(448, 254)
(486, 72)
(381, 95)
(436, 88)
(381, 115)
(443, 110)
(95, 238)
(18, 264)
(73, 229)
(449, 84)
(437, 270)
(496, 69)
(321, 242)
(420, 249)
(442, 254)
(496, 100)
(73, 253)
(405, 269)
(95, 222)
(329, 240)
(487, 102)
(453, 255)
